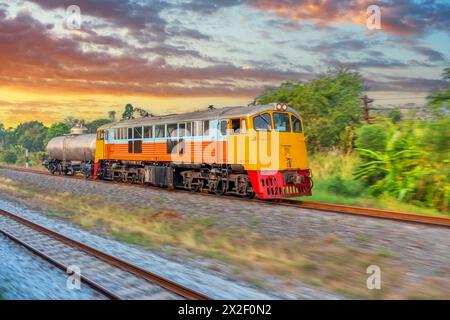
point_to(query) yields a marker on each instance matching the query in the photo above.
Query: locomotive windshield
(262, 122)
(296, 124)
(281, 122)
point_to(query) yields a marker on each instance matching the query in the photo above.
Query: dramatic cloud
(431, 54)
(213, 50)
(60, 63)
(398, 84)
(140, 18)
(397, 16)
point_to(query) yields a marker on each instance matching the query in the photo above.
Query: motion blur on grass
(324, 261)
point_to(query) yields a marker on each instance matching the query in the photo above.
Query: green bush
(9, 156)
(372, 137)
(353, 188)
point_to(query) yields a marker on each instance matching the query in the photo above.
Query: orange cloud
(398, 17)
(32, 57)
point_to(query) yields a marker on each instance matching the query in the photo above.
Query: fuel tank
(72, 147)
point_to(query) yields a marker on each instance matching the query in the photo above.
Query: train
(246, 151)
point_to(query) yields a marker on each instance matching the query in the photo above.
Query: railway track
(325, 207)
(108, 275)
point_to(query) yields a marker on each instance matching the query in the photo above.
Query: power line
(394, 107)
(398, 98)
(366, 108)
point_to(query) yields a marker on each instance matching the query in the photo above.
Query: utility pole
(366, 100)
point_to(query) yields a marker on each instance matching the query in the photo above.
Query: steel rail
(370, 212)
(326, 207)
(84, 279)
(138, 271)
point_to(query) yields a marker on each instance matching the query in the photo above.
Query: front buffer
(281, 184)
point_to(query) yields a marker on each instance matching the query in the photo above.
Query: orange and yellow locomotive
(256, 150)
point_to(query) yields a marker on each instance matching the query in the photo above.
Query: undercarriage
(218, 179)
(69, 168)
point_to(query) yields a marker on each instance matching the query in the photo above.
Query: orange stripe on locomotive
(193, 152)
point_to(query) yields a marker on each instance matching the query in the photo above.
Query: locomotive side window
(148, 132)
(296, 124)
(281, 122)
(223, 127)
(160, 131)
(235, 126)
(188, 129)
(101, 135)
(182, 129)
(130, 133)
(198, 128)
(172, 130)
(138, 133)
(263, 122)
(206, 128)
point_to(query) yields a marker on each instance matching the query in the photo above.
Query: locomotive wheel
(249, 195)
(220, 188)
(128, 178)
(197, 187)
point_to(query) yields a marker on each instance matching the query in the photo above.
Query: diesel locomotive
(249, 151)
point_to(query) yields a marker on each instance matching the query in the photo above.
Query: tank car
(72, 153)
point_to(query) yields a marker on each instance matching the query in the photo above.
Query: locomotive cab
(270, 145)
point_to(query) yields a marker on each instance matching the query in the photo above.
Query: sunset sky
(173, 56)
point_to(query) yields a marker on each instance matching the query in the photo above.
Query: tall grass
(325, 165)
(334, 182)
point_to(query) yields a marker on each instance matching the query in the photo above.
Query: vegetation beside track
(401, 157)
(334, 183)
(326, 262)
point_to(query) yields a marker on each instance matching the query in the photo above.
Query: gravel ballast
(424, 250)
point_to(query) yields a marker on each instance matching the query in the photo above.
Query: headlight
(284, 107)
(279, 106)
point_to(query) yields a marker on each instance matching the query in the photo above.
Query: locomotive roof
(208, 114)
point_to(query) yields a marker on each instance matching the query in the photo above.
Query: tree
(31, 135)
(439, 100)
(327, 104)
(371, 136)
(128, 112)
(395, 115)
(112, 116)
(57, 129)
(2, 134)
(94, 125)
(7, 137)
(9, 156)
